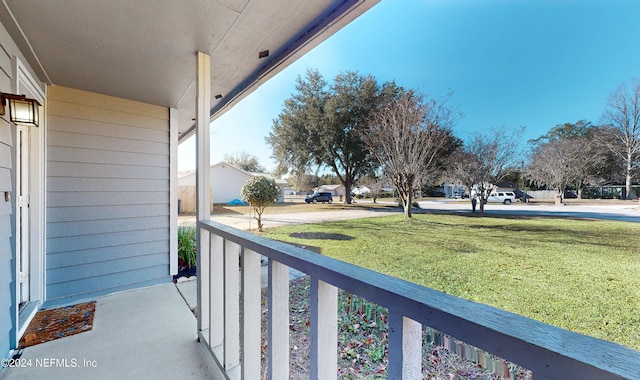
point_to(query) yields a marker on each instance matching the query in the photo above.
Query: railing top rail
(549, 351)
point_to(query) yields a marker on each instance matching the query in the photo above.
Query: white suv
(505, 197)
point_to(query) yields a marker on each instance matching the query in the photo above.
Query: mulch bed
(185, 272)
(48, 325)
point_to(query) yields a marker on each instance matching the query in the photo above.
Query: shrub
(187, 250)
(260, 192)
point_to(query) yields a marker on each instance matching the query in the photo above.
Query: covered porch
(88, 197)
(145, 333)
(89, 244)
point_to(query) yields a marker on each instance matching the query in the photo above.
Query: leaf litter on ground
(363, 344)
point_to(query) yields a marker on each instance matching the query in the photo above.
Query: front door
(22, 214)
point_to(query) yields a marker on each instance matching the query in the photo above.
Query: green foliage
(321, 124)
(260, 192)
(580, 275)
(187, 250)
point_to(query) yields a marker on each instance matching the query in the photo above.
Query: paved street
(625, 211)
(605, 210)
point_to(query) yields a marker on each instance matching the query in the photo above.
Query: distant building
(228, 181)
(335, 190)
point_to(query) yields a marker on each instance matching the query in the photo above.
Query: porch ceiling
(144, 50)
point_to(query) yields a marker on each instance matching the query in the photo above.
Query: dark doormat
(58, 323)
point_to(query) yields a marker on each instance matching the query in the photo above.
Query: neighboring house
(88, 199)
(362, 190)
(335, 190)
(227, 181)
(451, 190)
(506, 186)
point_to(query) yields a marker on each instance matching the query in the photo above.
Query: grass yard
(581, 275)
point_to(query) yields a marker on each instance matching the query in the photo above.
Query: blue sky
(509, 63)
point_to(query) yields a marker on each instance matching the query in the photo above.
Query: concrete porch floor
(147, 333)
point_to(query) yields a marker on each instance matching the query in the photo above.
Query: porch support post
(173, 191)
(324, 330)
(405, 347)
(203, 136)
(278, 319)
(203, 104)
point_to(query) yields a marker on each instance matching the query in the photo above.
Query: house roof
(331, 187)
(145, 50)
(279, 181)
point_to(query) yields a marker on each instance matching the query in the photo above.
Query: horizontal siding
(104, 226)
(85, 242)
(5, 156)
(80, 170)
(91, 100)
(96, 198)
(92, 294)
(97, 128)
(97, 255)
(113, 144)
(92, 287)
(107, 194)
(101, 269)
(6, 255)
(6, 135)
(5, 289)
(70, 214)
(5, 227)
(5, 180)
(96, 156)
(55, 184)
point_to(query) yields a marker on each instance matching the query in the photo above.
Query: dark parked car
(319, 197)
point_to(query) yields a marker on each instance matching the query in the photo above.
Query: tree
(260, 192)
(303, 181)
(557, 164)
(407, 134)
(568, 155)
(622, 116)
(374, 182)
(321, 125)
(244, 161)
(483, 161)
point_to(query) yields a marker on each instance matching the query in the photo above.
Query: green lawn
(582, 275)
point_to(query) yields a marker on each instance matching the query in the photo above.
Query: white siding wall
(107, 195)
(227, 183)
(6, 255)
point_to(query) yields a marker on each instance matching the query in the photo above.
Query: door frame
(23, 82)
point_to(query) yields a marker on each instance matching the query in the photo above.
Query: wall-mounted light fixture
(22, 110)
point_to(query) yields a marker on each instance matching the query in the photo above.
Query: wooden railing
(229, 317)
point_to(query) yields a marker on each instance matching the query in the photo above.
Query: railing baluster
(324, 330)
(231, 305)
(251, 315)
(405, 347)
(216, 303)
(203, 280)
(278, 320)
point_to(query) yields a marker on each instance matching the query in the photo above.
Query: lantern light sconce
(22, 110)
